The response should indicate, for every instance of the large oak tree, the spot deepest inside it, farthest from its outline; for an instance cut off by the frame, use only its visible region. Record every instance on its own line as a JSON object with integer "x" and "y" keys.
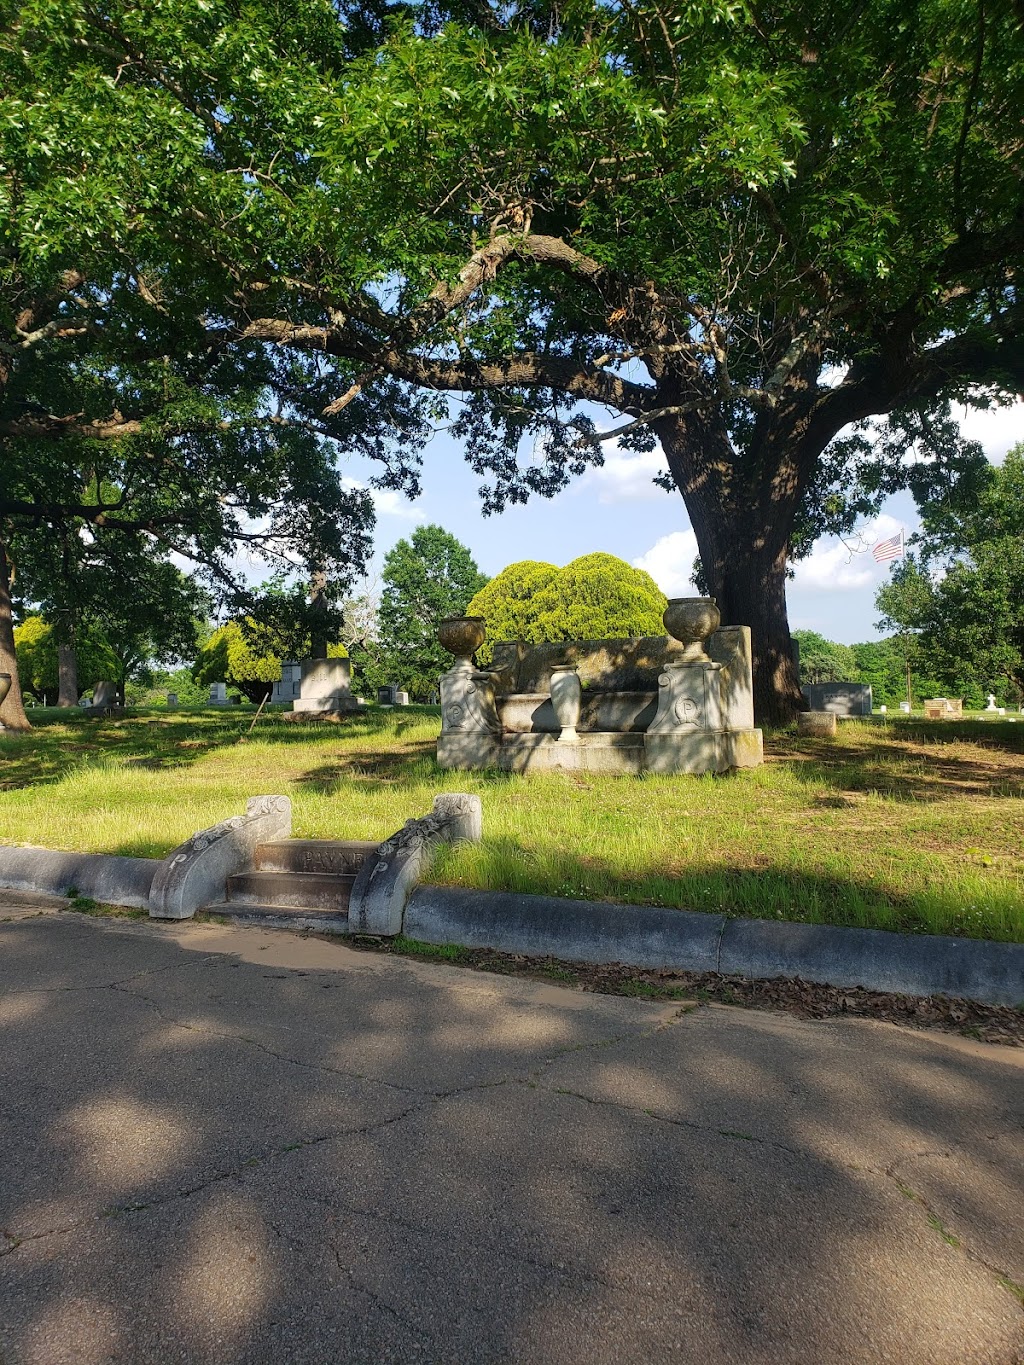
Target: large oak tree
{"x": 742, "y": 228}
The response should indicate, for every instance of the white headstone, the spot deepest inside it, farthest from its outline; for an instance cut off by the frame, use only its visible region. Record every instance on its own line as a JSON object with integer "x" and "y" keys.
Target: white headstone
{"x": 991, "y": 702}
{"x": 905, "y": 707}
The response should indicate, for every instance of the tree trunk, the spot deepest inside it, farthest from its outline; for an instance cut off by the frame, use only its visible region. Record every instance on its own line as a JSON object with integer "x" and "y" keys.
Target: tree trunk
{"x": 751, "y": 591}
{"x": 12, "y": 713}
{"x": 318, "y": 615}
{"x": 742, "y": 520}
{"x": 67, "y": 666}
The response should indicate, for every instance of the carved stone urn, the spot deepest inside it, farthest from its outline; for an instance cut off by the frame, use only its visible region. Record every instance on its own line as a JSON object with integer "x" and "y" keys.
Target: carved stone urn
{"x": 462, "y": 636}
{"x": 690, "y": 620}
{"x": 566, "y": 699}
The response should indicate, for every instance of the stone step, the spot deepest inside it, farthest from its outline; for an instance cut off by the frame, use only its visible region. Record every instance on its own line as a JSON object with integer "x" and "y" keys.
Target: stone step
{"x": 282, "y": 916}
{"x": 302, "y": 890}
{"x": 313, "y": 855}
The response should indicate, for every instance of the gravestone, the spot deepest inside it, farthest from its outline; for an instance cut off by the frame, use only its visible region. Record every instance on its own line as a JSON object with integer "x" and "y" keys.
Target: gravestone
{"x": 905, "y": 707}
{"x": 219, "y": 694}
{"x": 991, "y": 702}
{"x": 841, "y": 698}
{"x": 392, "y": 696}
{"x": 938, "y": 708}
{"x": 289, "y": 685}
{"x": 817, "y": 724}
{"x": 172, "y": 700}
{"x": 325, "y": 687}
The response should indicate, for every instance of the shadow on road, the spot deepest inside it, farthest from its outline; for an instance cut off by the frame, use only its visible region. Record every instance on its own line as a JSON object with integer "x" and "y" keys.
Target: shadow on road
{"x": 229, "y": 1146}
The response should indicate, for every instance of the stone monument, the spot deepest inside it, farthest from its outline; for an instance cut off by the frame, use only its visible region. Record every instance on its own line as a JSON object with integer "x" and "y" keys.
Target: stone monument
{"x": 991, "y": 702}
{"x": 219, "y": 694}
{"x": 325, "y": 687}
{"x": 681, "y": 703}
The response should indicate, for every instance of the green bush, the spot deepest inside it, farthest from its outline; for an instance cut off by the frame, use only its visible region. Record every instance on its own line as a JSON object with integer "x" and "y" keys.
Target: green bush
{"x": 595, "y": 597}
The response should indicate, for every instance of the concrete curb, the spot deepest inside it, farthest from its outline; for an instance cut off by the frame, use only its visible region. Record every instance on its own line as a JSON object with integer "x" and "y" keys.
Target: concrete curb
{"x": 103, "y": 877}
{"x": 645, "y": 936}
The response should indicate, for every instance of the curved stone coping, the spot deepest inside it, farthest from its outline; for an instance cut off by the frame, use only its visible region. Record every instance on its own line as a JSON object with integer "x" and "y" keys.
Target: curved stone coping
{"x": 101, "y": 876}
{"x": 649, "y": 937}
{"x": 196, "y": 873}
{"x": 386, "y": 879}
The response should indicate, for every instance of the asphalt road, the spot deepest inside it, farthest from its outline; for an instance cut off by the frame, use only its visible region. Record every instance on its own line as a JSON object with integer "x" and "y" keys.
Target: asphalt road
{"x": 227, "y": 1145}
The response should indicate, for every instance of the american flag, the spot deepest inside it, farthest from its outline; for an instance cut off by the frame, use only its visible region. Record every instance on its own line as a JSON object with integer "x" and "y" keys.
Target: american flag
{"x": 889, "y": 549}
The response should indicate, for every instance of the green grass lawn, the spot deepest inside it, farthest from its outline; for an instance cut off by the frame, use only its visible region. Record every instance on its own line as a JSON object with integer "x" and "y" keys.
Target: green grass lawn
{"x": 898, "y": 824}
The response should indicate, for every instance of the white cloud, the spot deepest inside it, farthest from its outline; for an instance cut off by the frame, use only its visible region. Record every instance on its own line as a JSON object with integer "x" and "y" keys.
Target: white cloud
{"x": 838, "y": 566}
{"x": 625, "y": 474}
{"x": 669, "y": 561}
{"x": 997, "y": 429}
{"x": 386, "y": 502}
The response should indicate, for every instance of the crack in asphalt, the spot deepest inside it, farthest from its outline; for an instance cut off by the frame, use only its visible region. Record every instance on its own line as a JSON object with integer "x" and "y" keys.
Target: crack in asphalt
{"x": 690, "y": 1124}
{"x": 387, "y": 1308}
{"x": 228, "y": 1035}
{"x": 235, "y": 1172}
{"x": 407, "y": 1225}
{"x": 956, "y": 1241}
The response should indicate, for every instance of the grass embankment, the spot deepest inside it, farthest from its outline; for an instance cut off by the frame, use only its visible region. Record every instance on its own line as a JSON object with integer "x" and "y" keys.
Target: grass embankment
{"x": 896, "y": 825}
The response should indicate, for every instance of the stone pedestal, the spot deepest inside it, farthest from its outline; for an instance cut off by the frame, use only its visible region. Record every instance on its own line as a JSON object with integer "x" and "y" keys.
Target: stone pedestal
{"x": 325, "y": 686}
{"x": 695, "y": 728}
{"x": 689, "y": 698}
{"x": 470, "y": 729}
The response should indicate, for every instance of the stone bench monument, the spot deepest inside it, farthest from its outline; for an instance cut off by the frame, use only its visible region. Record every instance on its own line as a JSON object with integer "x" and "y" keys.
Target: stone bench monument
{"x": 681, "y": 703}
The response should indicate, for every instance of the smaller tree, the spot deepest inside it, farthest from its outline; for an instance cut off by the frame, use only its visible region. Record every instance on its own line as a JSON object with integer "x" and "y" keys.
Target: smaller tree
{"x": 974, "y": 635}
{"x": 508, "y": 602}
{"x": 595, "y": 597}
{"x": 907, "y": 603}
{"x": 426, "y": 578}
{"x": 960, "y": 611}
{"x": 35, "y": 643}
{"x": 823, "y": 660}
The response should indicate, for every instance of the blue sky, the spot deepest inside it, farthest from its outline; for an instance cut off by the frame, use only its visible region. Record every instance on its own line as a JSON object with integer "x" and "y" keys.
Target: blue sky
{"x": 618, "y": 509}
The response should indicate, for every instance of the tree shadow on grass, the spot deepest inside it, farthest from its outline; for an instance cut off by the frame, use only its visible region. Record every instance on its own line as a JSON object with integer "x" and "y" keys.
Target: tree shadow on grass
{"x": 62, "y": 743}
{"x": 764, "y": 891}
{"x": 928, "y": 764}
